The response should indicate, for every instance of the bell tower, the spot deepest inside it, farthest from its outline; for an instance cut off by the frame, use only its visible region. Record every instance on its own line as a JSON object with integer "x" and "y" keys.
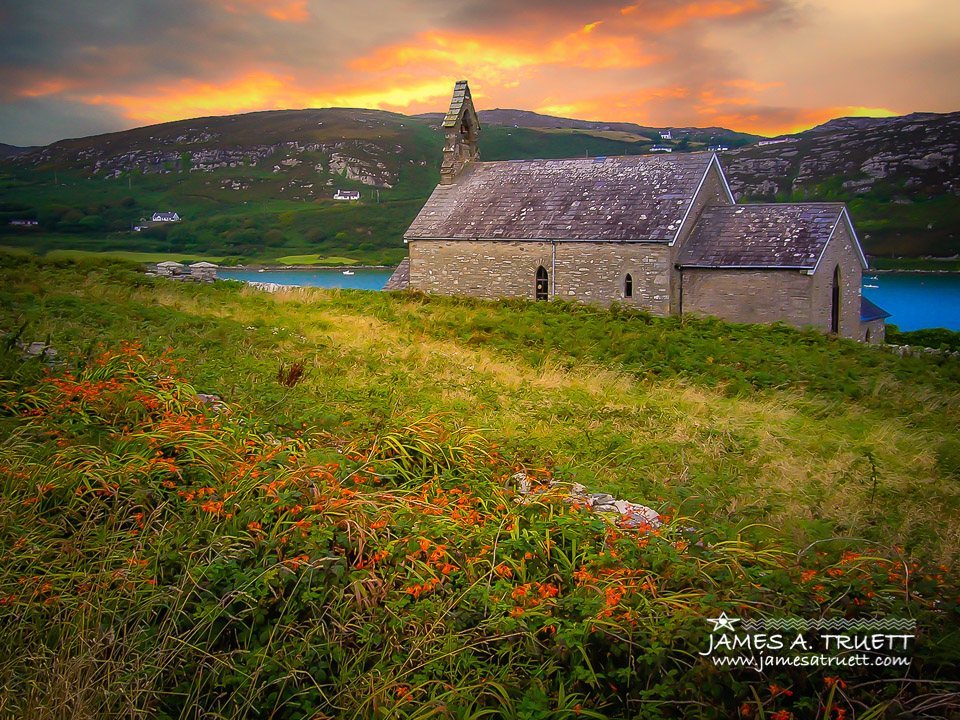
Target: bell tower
{"x": 461, "y": 128}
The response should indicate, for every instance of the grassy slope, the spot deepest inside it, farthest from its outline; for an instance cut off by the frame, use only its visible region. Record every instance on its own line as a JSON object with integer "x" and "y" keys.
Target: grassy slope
{"x": 721, "y": 426}
{"x": 760, "y": 424}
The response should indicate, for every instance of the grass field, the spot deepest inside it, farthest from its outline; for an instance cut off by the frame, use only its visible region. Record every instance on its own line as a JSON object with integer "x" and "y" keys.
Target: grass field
{"x": 350, "y": 544}
{"x": 315, "y": 259}
{"x": 138, "y": 257}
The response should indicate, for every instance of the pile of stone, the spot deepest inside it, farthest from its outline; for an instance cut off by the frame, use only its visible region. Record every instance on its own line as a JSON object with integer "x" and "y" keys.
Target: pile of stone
{"x": 918, "y": 350}
{"x": 625, "y": 514}
{"x": 37, "y": 349}
{"x": 213, "y": 402}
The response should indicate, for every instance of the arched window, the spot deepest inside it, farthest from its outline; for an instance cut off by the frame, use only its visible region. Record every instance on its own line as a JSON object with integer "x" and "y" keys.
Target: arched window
{"x": 628, "y": 286}
{"x": 835, "y": 303}
{"x": 543, "y": 292}
{"x": 866, "y": 338}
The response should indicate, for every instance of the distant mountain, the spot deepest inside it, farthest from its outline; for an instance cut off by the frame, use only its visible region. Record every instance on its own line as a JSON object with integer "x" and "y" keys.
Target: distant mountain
{"x": 528, "y": 119}
{"x": 11, "y": 150}
{"x": 262, "y": 184}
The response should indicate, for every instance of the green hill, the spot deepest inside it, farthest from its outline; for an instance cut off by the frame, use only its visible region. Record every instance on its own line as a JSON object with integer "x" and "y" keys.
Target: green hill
{"x": 343, "y": 531}
{"x": 261, "y": 186}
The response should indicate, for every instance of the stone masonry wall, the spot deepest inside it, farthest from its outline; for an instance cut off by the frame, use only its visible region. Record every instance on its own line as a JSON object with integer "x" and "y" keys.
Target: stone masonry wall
{"x": 580, "y": 271}
{"x": 596, "y": 273}
{"x": 483, "y": 269}
{"x": 873, "y": 331}
{"x": 711, "y": 193}
{"x": 749, "y": 296}
{"x": 840, "y": 252}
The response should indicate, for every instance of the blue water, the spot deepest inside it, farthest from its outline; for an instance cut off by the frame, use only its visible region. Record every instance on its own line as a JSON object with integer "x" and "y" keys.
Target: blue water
{"x": 362, "y": 279}
{"x": 916, "y": 300}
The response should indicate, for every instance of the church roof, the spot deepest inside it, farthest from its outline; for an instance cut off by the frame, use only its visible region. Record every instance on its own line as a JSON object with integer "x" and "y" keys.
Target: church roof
{"x": 775, "y": 235}
{"x": 632, "y": 198}
{"x": 400, "y": 280}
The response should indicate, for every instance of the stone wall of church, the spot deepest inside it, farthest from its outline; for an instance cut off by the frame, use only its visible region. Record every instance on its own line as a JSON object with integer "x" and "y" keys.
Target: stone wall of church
{"x": 788, "y": 296}
{"x": 873, "y": 331}
{"x": 839, "y": 253}
{"x": 748, "y": 296}
{"x": 596, "y": 273}
{"x": 712, "y": 192}
{"x": 592, "y": 272}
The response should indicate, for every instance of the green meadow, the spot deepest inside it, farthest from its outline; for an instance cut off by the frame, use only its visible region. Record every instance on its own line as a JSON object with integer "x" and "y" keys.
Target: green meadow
{"x": 341, "y": 534}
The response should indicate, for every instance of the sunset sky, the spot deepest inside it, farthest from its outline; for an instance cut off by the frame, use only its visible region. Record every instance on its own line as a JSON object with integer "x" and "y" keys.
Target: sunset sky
{"x": 81, "y": 67}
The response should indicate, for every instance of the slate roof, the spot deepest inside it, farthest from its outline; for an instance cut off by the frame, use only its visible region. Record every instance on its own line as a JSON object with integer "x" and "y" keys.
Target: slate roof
{"x": 869, "y": 311}
{"x": 776, "y": 235}
{"x": 633, "y": 198}
{"x": 460, "y": 93}
{"x": 400, "y": 280}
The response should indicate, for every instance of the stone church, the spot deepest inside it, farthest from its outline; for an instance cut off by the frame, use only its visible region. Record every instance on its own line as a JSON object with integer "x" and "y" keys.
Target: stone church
{"x": 659, "y": 233}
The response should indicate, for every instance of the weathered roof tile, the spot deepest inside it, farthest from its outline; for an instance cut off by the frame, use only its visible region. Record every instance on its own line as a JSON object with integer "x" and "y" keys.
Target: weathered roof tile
{"x": 400, "y": 280}
{"x": 777, "y": 235}
{"x": 642, "y": 198}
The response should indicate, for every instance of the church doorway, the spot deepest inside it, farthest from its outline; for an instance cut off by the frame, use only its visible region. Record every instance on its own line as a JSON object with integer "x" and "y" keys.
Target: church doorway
{"x": 835, "y": 303}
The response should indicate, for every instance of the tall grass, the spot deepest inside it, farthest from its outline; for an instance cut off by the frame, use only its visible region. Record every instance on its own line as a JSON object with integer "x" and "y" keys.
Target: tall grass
{"x": 353, "y": 546}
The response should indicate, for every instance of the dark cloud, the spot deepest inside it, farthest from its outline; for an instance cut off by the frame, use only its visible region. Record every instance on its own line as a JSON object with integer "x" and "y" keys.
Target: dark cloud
{"x": 39, "y": 121}
{"x": 83, "y": 65}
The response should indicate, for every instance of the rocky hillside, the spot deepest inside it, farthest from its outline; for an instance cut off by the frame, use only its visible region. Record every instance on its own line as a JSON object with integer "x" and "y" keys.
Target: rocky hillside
{"x": 10, "y": 150}
{"x": 369, "y": 147}
{"x": 527, "y": 119}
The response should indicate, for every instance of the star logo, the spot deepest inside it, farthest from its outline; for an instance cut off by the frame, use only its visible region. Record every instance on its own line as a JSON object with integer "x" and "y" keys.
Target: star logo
{"x": 723, "y": 622}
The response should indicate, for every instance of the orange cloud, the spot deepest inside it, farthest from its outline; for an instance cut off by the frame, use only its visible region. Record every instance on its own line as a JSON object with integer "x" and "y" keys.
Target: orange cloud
{"x": 781, "y": 121}
{"x": 752, "y": 85}
{"x": 190, "y": 98}
{"x": 284, "y": 10}
{"x": 669, "y": 18}
{"x": 615, "y": 107}
{"x": 496, "y": 59}
{"x": 43, "y": 87}
{"x": 266, "y": 91}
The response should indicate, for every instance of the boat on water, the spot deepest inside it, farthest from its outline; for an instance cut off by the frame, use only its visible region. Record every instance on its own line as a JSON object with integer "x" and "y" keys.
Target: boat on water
{"x": 871, "y": 287}
{"x": 261, "y": 270}
{"x": 348, "y": 272}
